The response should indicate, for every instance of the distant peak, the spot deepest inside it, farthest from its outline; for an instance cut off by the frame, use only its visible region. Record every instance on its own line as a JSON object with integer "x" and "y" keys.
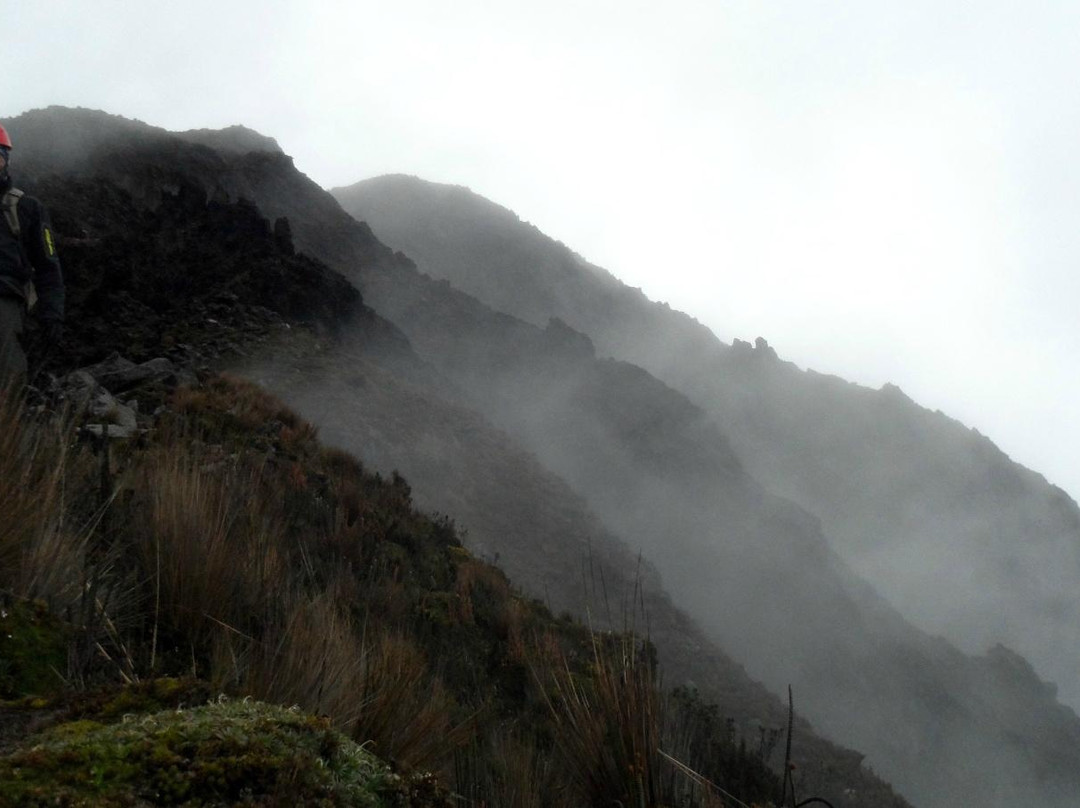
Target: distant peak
{"x": 236, "y": 139}
{"x": 412, "y": 187}
{"x": 893, "y": 391}
{"x": 75, "y": 131}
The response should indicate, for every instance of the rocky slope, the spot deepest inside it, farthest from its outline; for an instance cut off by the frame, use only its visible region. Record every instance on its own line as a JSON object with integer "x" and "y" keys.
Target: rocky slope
{"x": 505, "y": 262}
{"x": 960, "y": 539}
{"x": 756, "y": 571}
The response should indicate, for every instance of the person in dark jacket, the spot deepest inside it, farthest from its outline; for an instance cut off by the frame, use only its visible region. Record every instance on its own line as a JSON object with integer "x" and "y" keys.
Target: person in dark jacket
{"x": 29, "y": 271}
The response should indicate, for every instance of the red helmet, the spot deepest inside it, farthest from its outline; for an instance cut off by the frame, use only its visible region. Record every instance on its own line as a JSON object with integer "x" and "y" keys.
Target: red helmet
{"x": 5, "y": 141}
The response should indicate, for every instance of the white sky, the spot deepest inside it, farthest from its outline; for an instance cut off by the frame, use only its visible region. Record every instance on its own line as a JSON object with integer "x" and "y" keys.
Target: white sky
{"x": 888, "y": 191}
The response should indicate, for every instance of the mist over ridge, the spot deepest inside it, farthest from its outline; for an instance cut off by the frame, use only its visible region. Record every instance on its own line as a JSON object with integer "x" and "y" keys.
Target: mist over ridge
{"x": 660, "y": 471}
{"x": 959, "y": 538}
{"x": 500, "y": 258}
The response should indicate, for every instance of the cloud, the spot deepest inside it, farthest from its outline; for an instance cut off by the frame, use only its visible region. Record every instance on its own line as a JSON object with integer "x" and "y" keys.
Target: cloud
{"x": 885, "y": 191}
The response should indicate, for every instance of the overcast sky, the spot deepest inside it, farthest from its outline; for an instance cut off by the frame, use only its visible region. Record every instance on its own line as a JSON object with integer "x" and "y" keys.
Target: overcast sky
{"x": 888, "y": 191}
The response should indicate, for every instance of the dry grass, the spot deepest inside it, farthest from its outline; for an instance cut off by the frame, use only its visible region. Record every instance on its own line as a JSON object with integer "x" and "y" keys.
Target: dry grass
{"x": 474, "y": 578}
{"x": 374, "y": 684}
{"x": 609, "y": 722}
{"x": 315, "y": 661}
{"x": 50, "y": 537}
{"x": 212, "y": 552}
{"x": 406, "y": 712}
{"x": 251, "y": 406}
{"x": 612, "y": 723}
{"x": 43, "y": 535}
{"x": 276, "y": 608}
{"x": 510, "y": 770}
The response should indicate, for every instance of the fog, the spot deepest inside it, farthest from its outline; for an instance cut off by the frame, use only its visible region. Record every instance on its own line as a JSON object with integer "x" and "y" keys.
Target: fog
{"x": 543, "y": 447}
{"x": 754, "y": 571}
{"x": 963, "y": 542}
{"x": 885, "y": 191}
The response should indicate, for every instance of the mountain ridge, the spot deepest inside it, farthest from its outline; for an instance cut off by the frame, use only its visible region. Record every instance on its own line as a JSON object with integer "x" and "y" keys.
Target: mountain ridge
{"x": 181, "y": 182}
{"x": 811, "y": 437}
{"x": 417, "y": 313}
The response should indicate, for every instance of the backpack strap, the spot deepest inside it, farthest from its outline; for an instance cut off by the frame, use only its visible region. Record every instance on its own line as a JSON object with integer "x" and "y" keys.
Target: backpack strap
{"x": 10, "y": 205}
{"x": 11, "y": 210}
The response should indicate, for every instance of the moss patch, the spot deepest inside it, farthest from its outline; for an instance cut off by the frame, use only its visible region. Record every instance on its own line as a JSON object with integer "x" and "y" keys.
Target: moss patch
{"x": 228, "y": 753}
{"x": 33, "y": 651}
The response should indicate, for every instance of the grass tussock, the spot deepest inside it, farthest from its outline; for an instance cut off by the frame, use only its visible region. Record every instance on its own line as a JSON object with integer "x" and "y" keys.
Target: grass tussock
{"x": 511, "y": 769}
{"x": 407, "y": 713}
{"x": 621, "y": 740}
{"x": 315, "y": 660}
{"x": 375, "y": 685}
{"x": 213, "y": 553}
{"x": 609, "y": 722}
{"x": 44, "y": 482}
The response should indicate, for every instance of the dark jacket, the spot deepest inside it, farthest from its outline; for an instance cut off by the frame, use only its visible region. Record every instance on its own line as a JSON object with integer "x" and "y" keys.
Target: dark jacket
{"x": 38, "y": 247}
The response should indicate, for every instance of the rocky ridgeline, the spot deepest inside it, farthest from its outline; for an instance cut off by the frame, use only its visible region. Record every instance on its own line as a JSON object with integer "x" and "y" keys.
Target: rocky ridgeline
{"x": 97, "y": 392}
{"x": 196, "y": 281}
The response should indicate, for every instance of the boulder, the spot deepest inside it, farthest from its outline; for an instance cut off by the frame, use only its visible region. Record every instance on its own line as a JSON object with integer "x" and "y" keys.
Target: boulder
{"x": 118, "y": 373}
{"x": 104, "y": 413}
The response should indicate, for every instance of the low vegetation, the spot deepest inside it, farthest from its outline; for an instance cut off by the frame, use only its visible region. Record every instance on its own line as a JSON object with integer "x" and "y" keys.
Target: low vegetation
{"x": 161, "y": 595}
{"x": 223, "y": 752}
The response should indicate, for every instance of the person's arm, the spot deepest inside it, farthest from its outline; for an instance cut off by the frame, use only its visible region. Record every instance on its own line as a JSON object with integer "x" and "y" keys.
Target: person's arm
{"x": 40, "y": 243}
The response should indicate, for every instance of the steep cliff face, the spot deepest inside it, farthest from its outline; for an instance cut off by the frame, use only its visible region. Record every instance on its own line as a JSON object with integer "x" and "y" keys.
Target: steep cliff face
{"x": 798, "y": 432}
{"x": 755, "y": 570}
{"x": 653, "y": 467}
{"x": 961, "y": 540}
